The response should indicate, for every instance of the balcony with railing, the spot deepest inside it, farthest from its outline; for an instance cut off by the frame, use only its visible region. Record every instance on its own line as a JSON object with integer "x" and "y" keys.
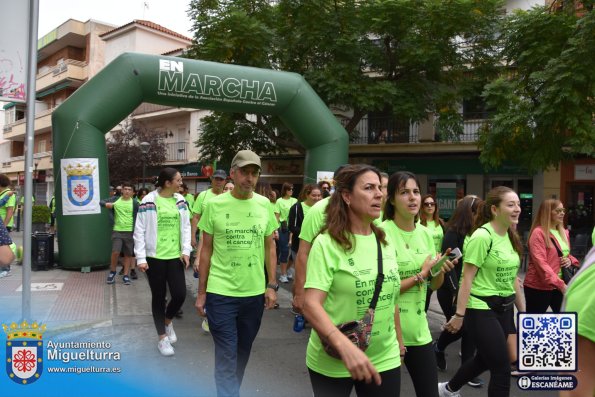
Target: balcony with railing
{"x": 176, "y": 152}
{"x": 381, "y": 130}
{"x": 69, "y": 69}
{"x": 387, "y": 130}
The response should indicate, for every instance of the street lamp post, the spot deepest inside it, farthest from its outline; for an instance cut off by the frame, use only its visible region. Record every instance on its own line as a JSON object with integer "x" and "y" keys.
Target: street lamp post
{"x": 144, "y": 148}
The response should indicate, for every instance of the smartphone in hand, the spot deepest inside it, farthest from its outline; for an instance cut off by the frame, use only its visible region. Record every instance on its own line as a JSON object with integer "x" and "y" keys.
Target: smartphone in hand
{"x": 454, "y": 254}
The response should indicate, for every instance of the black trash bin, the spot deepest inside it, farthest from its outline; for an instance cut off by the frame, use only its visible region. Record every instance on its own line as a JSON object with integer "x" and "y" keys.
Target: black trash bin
{"x": 42, "y": 251}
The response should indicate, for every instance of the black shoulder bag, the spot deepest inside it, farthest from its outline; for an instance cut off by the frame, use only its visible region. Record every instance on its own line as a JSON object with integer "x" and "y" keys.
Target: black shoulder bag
{"x": 359, "y": 331}
{"x": 567, "y": 272}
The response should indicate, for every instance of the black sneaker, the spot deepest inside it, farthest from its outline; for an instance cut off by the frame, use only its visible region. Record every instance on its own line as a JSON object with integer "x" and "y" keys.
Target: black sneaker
{"x": 440, "y": 358}
{"x": 133, "y": 274}
{"x": 111, "y": 277}
{"x": 476, "y": 382}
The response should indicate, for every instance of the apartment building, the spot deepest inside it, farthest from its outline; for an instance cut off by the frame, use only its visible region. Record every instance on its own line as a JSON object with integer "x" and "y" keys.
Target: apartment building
{"x": 68, "y": 56}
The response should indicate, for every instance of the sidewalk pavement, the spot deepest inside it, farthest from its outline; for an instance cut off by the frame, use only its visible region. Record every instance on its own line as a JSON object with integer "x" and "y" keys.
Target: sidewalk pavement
{"x": 79, "y": 306}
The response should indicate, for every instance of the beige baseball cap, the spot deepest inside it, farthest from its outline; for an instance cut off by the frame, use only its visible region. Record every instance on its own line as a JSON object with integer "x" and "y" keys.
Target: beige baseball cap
{"x": 244, "y": 158}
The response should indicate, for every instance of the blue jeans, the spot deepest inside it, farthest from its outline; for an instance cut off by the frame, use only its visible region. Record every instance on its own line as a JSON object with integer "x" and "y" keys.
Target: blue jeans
{"x": 283, "y": 246}
{"x": 234, "y": 323}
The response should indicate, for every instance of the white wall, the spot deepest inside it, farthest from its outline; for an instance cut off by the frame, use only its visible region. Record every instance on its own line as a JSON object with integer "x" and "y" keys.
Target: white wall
{"x": 522, "y": 4}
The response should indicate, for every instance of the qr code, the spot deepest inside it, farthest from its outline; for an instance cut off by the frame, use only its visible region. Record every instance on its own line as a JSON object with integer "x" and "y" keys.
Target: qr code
{"x": 547, "y": 342}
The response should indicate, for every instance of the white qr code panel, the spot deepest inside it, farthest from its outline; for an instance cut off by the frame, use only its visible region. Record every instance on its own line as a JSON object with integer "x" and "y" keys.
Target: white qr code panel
{"x": 547, "y": 342}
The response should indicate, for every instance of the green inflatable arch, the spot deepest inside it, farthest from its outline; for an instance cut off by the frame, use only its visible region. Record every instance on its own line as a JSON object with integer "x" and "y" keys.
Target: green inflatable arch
{"x": 79, "y": 126}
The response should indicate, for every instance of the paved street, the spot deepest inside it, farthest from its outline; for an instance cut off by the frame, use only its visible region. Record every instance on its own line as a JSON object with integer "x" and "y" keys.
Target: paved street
{"x": 82, "y": 307}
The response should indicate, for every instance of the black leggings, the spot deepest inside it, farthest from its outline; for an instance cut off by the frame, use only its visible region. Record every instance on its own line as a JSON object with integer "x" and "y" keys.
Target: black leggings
{"x": 445, "y": 299}
{"x": 489, "y": 331}
{"x": 421, "y": 364}
{"x": 163, "y": 273}
{"x": 324, "y": 386}
{"x": 539, "y": 300}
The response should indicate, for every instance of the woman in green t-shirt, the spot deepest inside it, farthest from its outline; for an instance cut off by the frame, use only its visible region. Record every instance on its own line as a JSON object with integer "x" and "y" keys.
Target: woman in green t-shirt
{"x": 485, "y": 297}
{"x": 430, "y": 218}
{"x": 341, "y": 275}
{"x": 162, "y": 249}
{"x": 282, "y": 206}
{"x": 416, "y": 255}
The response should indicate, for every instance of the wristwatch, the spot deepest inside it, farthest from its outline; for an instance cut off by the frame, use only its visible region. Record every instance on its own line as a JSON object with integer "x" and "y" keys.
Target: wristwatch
{"x": 274, "y": 287}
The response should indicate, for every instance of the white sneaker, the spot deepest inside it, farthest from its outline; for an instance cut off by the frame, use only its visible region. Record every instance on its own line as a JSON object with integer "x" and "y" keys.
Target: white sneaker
{"x": 171, "y": 334}
{"x": 291, "y": 273}
{"x": 4, "y": 273}
{"x": 205, "y": 325}
{"x": 283, "y": 278}
{"x": 165, "y": 347}
{"x": 444, "y": 392}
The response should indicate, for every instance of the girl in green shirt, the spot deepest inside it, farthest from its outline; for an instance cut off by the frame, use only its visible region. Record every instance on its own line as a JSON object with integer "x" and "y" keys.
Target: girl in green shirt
{"x": 485, "y": 297}
{"x": 162, "y": 248}
{"x": 416, "y": 255}
{"x": 282, "y": 206}
{"x": 341, "y": 274}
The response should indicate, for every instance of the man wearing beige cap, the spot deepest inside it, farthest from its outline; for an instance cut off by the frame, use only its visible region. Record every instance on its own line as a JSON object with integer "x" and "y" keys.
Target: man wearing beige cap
{"x": 237, "y": 239}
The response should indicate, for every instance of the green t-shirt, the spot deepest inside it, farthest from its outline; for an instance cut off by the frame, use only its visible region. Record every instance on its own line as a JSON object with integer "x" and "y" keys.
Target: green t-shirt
{"x": 123, "y": 215}
{"x": 305, "y": 208}
{"x": 437, "y": 234}
{"x": 497, "y": 270}
{"x": 561, "y": 242}
{"x": 201, "y": 201}
{"x": 581, "y": 299}
{"x": 282, "y": 207}
{"x": 10, "y": 203}
{"x": 168, "y": 228}
{"x": 348, "y": 278}
{"x": 239, "y": 228}
{"x": 314, "y": 220}
{"x": 412, "y": 249}
{"x": 190, "y": 200}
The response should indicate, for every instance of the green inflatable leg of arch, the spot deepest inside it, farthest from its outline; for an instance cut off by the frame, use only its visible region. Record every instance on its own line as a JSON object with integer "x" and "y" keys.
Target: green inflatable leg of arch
{"x": 81, "y": 122}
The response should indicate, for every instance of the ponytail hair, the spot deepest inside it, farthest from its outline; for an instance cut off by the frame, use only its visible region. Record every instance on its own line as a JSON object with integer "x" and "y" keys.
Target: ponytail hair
{"x": 484, "y": 215}
{"x": 166, "y": 174}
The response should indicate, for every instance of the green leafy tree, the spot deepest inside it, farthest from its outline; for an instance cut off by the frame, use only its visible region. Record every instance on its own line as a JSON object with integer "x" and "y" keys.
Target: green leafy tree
{"x": 124, "y": 155}
{"x": 409, "y": 57}
{"x": 543, "y": 105}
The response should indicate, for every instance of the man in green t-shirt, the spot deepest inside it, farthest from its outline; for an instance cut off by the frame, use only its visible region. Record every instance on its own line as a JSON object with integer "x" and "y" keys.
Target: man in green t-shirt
{"x": 123, "y": 210}
{"x": 187, "y": 196}
{"x": 237, "y": 242}
{"x": 198, "y": 207}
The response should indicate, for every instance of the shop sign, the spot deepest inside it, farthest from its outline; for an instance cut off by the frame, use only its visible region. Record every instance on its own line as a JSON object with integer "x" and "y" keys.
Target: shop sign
{"x": 584, "y": 172}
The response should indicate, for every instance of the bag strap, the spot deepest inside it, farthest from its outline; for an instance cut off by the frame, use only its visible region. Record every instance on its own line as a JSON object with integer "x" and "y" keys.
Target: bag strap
{"x": 560, "y": 254}
{"x": 490, "y": 247}
{"x": 379, "y": 277}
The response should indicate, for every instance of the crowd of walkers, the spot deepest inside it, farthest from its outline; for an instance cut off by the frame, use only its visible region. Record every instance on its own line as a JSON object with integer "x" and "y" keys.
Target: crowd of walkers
{"x": 365, "y": 252}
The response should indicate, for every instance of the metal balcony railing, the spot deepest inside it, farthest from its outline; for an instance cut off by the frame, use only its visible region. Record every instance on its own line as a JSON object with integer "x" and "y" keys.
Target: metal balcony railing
{"x": 388, "y": 130}
{"x": 177, "y": 151}
{"x": 383, "y": 130}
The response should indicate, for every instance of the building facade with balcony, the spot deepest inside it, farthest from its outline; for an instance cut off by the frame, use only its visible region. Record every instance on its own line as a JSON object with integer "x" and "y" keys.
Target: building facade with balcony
{"x": 66, "y": 58}
{"x": 70, "y": 55}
